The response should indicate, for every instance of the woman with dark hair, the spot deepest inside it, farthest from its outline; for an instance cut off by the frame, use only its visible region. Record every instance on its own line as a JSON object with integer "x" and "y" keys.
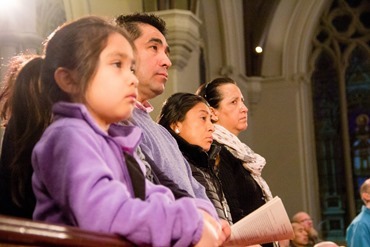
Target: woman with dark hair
{"x": 240, "y": 167}
{"x": 188, "y": 118}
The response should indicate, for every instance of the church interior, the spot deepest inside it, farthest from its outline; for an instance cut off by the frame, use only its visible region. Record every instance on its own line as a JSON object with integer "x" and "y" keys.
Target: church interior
{"x": 303, "y": 67}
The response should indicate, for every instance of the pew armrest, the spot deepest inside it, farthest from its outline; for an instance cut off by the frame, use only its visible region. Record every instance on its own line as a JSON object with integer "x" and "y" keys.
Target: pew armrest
{"x": 18, "y": 231}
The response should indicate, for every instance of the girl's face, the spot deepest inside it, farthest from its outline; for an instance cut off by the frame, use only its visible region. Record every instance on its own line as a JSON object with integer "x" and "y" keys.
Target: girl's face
{"x": 197, "y": 127}
{"x": 232, "y": 113}
{"x": 112, "y": 91}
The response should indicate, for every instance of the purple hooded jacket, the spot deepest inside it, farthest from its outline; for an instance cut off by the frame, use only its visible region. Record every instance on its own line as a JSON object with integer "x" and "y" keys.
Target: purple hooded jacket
{"x": 81, "y": 179}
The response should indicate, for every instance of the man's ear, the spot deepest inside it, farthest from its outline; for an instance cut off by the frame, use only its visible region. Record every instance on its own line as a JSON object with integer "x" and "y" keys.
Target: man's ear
{"x": 65, "y": 80}
{"x": 365, "y": 196}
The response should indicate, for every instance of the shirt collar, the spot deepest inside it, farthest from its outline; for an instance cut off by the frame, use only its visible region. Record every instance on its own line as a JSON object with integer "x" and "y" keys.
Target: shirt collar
{"x": 145, "y": 106}
{"x": 128, "y": 137}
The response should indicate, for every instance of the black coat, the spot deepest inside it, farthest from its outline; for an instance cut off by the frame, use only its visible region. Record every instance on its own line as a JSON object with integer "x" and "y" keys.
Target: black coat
{"x": 205, "y": 172}
{"x": 242, "y": 192}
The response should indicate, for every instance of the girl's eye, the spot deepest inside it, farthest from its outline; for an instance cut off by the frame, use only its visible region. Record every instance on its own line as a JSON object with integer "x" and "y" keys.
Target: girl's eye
{"x": 118, "y": 64}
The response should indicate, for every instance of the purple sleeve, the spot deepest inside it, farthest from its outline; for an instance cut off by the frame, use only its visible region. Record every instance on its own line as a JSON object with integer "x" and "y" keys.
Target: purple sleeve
{"x": 83, "y": 182}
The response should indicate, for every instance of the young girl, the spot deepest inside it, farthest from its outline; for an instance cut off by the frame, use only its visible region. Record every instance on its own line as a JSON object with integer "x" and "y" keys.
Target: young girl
{"x": 86, "y": 172}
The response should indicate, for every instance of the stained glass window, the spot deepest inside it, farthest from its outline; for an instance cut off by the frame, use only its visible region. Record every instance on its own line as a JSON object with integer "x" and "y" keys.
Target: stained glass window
{"x": 358, "y": 98}
{"x": 341, "y": 110}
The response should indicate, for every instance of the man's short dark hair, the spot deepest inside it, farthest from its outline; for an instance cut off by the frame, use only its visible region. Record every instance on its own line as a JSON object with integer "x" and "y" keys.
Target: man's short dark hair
{"x": 131, "y": 21}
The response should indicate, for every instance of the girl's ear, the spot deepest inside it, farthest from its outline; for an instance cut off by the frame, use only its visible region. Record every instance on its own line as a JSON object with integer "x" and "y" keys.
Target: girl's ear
{"x": 65, "y": 80}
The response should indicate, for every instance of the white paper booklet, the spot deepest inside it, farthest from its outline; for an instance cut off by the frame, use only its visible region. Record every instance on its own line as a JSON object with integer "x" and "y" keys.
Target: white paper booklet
{"x": 266, "y": 224}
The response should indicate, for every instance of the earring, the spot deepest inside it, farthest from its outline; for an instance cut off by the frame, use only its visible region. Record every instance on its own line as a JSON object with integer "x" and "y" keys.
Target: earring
{"x": 177, "y": 131}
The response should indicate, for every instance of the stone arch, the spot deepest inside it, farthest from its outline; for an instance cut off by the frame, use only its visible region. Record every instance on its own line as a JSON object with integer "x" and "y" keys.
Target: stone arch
{"x": 286, "y": 78}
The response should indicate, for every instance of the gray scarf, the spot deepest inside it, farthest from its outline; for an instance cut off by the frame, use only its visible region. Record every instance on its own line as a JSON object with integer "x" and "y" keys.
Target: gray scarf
{"x": 252, "y": 161}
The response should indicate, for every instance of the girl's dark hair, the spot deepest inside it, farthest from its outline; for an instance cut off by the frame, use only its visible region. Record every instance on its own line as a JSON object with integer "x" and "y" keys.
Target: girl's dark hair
{"x": 27, "y": 121}
{"x": 75, "y": 46}
{"x": 14, "y": 66}
{"x": 176, "y": 107}
{"x": 209, "y": 91}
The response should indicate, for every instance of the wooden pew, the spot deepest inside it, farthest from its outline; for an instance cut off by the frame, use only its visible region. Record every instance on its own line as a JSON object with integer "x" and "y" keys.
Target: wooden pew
{"x": 24, "y": 232}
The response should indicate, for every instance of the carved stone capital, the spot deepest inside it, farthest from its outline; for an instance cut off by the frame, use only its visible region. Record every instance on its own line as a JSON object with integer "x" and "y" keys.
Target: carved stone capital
{"x": 254, "y": 89}
{"x": 183, "y": 34}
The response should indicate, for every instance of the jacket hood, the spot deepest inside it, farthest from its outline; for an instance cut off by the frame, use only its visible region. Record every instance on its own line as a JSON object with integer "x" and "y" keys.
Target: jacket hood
{"x": 195, "y": 154}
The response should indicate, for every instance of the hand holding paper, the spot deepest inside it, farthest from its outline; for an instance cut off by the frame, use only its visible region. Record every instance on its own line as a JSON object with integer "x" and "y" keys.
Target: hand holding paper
{"x": 266, "y": 224}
